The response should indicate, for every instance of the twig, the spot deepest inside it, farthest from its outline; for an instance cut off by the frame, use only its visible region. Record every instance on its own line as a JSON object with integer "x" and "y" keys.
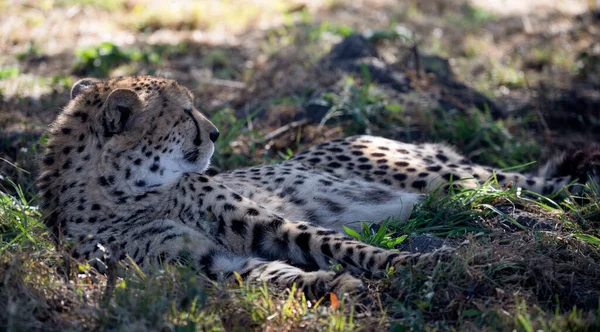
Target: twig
{"x": 226, "y": 83}
{"x": 111, "y": 274}
{"x": 282, "y": 130}
{"x": 415, "y": 50}
{"x": 538, "y": 109}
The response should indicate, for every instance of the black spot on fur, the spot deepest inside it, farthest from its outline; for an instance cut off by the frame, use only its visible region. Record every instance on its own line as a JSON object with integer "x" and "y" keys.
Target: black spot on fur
{"x": 435, "y": 168}
{"x": 67, "y": 164}
{"x": 252, "y": 212}
{"x": 236, "y": 197}
{"x": 326, "y": 250}
{"x": 328, "y": 232}
{"x": 102, "y": 181}
{"x": 400, "y": 176}
{"x": 239, "y": 227}
{"x": 451, "y": 176}
{"x": 441, "y": 157}
{"x": 303, "y": 241}
{"x": 48, "y": 160}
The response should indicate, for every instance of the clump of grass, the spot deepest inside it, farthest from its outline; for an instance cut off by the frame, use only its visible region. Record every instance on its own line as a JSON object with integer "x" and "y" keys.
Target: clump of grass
{"x": 20, "y": 225}
{"x": 316, "y": 32}
{"x": 9, "y": 72}
{"x": 470, "y": 18}
{"x": 218, "y": 59}
{"x": 31, "y": 50}
{"x": 99, "y": 60}
{"x": 381, "y": 238}
{"x": 237, "y": 136}
{"x": 584, "y": 209}
{"x": 485, "y": 140}
{"x": 588, "y": 66}
{"x": 363, "y": 108}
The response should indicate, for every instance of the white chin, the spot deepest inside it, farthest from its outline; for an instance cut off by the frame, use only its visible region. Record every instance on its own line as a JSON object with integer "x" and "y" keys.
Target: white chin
{"x": 198, "y": 167}
{"x": 203, "y": 165}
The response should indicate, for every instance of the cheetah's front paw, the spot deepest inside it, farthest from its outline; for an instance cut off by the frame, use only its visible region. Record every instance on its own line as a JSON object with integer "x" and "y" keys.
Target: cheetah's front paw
{"x": 319, "y": 283}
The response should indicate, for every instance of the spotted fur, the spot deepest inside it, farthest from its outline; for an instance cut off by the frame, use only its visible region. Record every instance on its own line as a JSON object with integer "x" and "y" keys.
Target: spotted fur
{"x": 123, "y": 172}
{"x": 420, "y": 168}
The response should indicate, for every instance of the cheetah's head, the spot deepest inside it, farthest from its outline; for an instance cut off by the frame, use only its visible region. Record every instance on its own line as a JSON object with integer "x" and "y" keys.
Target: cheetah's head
{"x": 131, "y": 134}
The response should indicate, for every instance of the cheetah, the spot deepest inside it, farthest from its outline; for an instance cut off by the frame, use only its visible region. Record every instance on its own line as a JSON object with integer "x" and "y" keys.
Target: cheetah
{"x": 124, "y": 171}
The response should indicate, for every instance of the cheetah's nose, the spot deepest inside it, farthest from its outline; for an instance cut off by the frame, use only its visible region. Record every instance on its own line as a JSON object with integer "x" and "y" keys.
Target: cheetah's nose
{"x": 214, "y": 136}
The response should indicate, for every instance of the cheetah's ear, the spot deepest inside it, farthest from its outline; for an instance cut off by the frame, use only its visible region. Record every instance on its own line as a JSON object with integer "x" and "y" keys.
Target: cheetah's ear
{"x": 81, "y": 86}
{"x": 118, "y": 109}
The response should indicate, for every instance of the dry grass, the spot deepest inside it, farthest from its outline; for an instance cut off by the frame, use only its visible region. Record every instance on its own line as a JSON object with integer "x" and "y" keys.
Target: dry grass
{"x": 257, "y": 66}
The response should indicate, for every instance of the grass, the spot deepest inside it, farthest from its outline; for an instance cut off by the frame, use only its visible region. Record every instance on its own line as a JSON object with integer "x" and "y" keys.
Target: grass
{"x": 100, "y": 60}
{"x": 8, "y": 72}
{"x": 508, "y": 277}
{"x": 182, "y": 15}
{"x": 238, "y": 137}
{"x": 362, "y": 108}
{"x": 488, "y": 141}
{"x": 470, "y": 18}
{"x": 478, "y": 288}
{"x": 20, "y": 224}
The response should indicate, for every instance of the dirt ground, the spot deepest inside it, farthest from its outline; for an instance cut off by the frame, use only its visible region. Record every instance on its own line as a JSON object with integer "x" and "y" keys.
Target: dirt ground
{"x": 507, "y": 82}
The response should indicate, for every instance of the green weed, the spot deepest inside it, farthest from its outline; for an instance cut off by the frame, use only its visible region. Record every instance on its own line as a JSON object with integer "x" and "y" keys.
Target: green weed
{"x": 219, "y": 61}
{"x": 227, "y": 147}
{"x": 362, "y": 107}
{"x": 101, "y": 59}
{"x": 31, "y": 51}
{"x": 9, "y": 72}
{"x": 485, "y": 140}
{"x": 20, "y": 221}
{"x": 588, "y": 66}
{"x": 381, "y": 238}
{"x": 316, "y": 32}
{"x": 470, "y": 18}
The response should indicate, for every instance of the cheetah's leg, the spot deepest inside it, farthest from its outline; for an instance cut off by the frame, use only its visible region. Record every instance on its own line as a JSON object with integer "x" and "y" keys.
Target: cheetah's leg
{"x": 249, "y": 229}
{"x": 167, "y": 241}
{"x": 314, "y": 284}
